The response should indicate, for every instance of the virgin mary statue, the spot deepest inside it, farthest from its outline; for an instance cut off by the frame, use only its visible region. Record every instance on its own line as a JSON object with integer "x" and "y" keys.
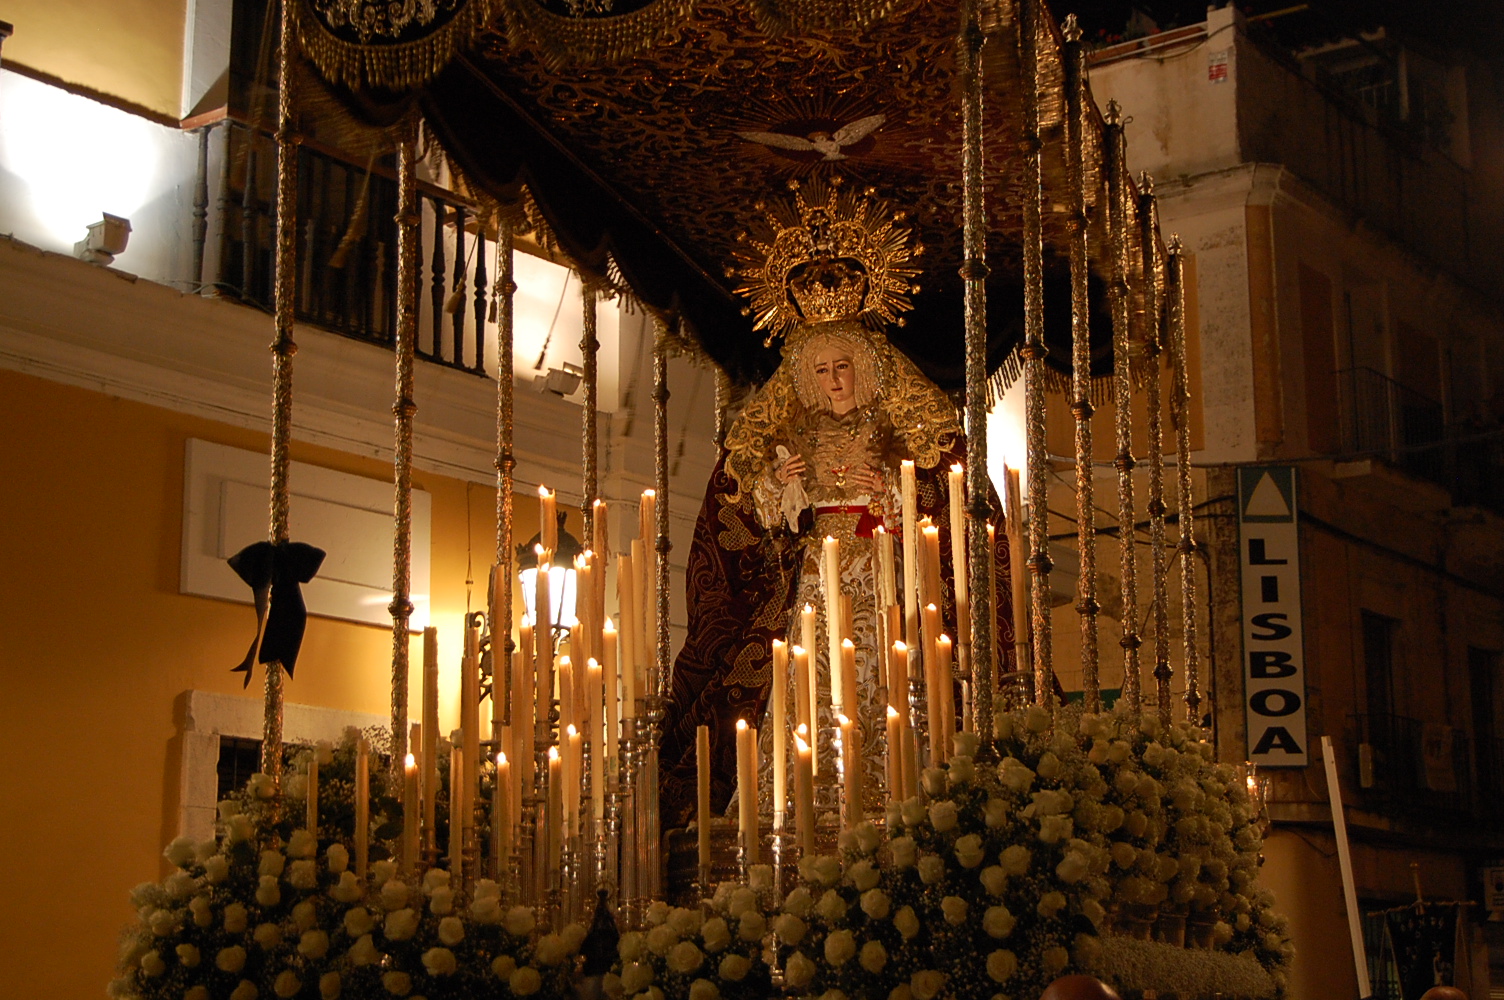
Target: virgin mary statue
{"x": 814, "y": 453}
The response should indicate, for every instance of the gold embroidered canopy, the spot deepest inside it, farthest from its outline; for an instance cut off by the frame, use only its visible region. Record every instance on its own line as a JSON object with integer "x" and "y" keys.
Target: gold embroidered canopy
{"x": 647, "y": 133}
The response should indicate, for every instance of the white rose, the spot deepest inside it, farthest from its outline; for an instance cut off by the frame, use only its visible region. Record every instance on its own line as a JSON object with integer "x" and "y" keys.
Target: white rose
{"x": 551, "y": 949}
{"x": 235, "y": 919}
{"x": 434, "y": 878}
{"x": 383, "y": 871}
{"x": 906, "y": 922}
{"x": 400, "y": 924}
{"x": 715, "y": 933}
{"x": 329, "y": 986}
{"x": 994, "y": 879}
{"x": 287, "y": 984}
{"x": 703, "y": 989}
{"x": 995, "y": 813}
{"x": 188, "y": 956}
{"x": 1053, "y": 829}
{"x": 347, "y": 889}
{"x": 926, "y": 984}
{"x": 238, "y": 829}
{"x": 363, "y": 952}
{"x": 180, "y": 851}
{"x": 244, "y": 990}
{"x": 931, "y": 869}
{"x": 152, "y": 964}
{"x": 798, "y": 902}
{"x": 313, "y": 944}
{"x": 1037, "y": 719}
{"x": 905, "y": 851}
{"x": 863, "y": 875}
{"x": 913, "y": 811}
{"x": 1049, "y": 765}
{"x": 966, "y": 744}
{"x": 217, "y": 869}
{"x": 1014, "y": 775}
{"x": 961, "y": 770}
{"x": 272, "y": 863}
{"x": 840, "y": 946}
{"x": 267, "y": 891}
{"x": 231, "y": 959}
{"x": 933, "y": 781}
{"x": 302, "y": 875}
{"x": 828, "y": 869}
{"x": 1001, "y": 965}
{"x": 1055, "y": 959}
{"x": 398, "y": 984}
{"x": 439, "y": 962}
{"x": 525, "y": 981}
{"x": 358, "y": 921}
{"x": 760, "y": 877}
{"x": 661, "y": 939}
{"x": 636, "y": 977}
{"x": 752, "y": 926}
{"x": 831, "y": 906}
{"x": 943, "y": 815}
{"x": 954, "y": 909}
{"x": 395, "y": 894}
{"x": 658, "y": 911}
{"x": 876, "y": 904}
{"x": 441, "y": 901}
{"x": 799, "y": 970}
{"x": 901, "y": 992}
{"x": 268, "y": 935}
{"x": 302, "y": 844}
{"x": 164, "y": 922}
{"x": 790, "y": 929}
{"x": 998, "y": 922}
{"x": 734, "y": 967}
{"x": 1072, "y": 868}
{"x": 451, "y": 931}
{"x": 685, "y": 921}
{"x": 969, "y": 850}
{"x": 519, "y": 921}
{"x": 685, "y": 958}
{"x": 486, "y": 910}
{"x": 1050, "y": 904}
{"x": 873, "y": 957}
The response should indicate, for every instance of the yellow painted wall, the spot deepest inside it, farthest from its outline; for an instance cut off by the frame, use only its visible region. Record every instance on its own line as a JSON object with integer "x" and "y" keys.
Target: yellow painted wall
{"x": 99, "y": 646}
{"x": 132, "y": 49}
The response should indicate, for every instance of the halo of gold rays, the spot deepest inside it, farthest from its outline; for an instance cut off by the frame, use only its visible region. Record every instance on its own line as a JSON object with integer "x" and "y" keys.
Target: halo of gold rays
{"x": 830, "y": 221}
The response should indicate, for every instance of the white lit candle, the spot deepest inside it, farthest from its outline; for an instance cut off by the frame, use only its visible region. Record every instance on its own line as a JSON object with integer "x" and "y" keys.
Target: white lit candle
{"x": 501, "y": 820}
{"x": 910, "y": 551}
{"x": 626, "y": 592}
{"x": 832, "y": 578}
{"x": 430, "y": 736}
{"x": 362, "y": 806}
{"x": 895, "y": 757}
{"x": 456, "y": 815}
{"x": 804, "y": 793}
{"x": 553, "y": 833}
{"x": 409, "y": 815}
{"x": 612, "y": 694}
{"x": 548, "y": 521}
{"x": 958, "y": 555}
{"x": 945, "y": 684}
{"x": 702, "y": 796}
{"x": 851, "y": 762}
{"x": 780, "y": 731}
{"x": 746, "y": 787}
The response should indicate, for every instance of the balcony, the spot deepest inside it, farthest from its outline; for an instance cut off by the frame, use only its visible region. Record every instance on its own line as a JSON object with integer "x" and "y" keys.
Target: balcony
{"x": 346, "y": 245}
{"x": 1420, "y": 770}
{"x": 1385, "y": 420}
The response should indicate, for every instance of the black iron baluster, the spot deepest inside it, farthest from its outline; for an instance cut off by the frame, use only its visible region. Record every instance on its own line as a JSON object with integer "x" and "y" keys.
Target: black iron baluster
{"x": 248, "y": 242}
{"x": 222, "y": 265}
{"x": 480, "y": 301}
{"x": 440, "y": 269}
{"x": 457, "y": 318}
{"x": 201, "y": 206}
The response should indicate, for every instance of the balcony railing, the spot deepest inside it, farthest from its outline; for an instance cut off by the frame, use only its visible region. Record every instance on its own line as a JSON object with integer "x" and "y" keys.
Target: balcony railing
{"x": 1409, "y": 767}
{"x": 346, "y": 246}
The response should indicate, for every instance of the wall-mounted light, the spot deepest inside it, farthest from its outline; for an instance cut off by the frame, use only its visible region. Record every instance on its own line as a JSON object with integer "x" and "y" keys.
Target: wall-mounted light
{"x": 107, "y": 239}
{"x": 560, "y": 381}
{"x": 561, "y": 576}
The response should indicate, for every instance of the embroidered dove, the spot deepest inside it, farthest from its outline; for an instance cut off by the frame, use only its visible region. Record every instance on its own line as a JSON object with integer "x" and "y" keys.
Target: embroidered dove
{"x": 829, "y": 144}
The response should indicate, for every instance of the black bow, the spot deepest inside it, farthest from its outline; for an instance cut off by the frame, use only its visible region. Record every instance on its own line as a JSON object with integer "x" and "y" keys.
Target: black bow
{"x": 276, "y": 568}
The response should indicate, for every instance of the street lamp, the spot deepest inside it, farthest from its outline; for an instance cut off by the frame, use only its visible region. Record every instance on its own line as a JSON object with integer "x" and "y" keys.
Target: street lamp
{"x": 561, "y": 577}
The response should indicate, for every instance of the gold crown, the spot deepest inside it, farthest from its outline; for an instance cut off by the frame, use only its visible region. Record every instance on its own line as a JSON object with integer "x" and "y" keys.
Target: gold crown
{"x": 827, "y": 253}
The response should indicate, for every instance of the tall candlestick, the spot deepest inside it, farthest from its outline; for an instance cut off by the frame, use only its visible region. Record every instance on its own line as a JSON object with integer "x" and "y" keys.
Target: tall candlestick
{"x": 553, "y": 831}
{"x": 643, "y": 591}
{"x": 801, "y": 687}
{"x": 958, "y": 556}
{"x": 362, "y": 807}
{"x": 780, "y": 731}
{"x": 470, "y": 718}
{"x": 596, "y": 723}
{"x": 851, "y": 759}
{"x": 887, "y": 585}
{"x": 548, "y": 520}
{"x": 501, "y": 816}
{"x": 804, "y": 793}
{"x": 807, "y": 634}
{"x": 626, "y": 592}
{"x": 612, "y": 694}
{"x": 702, "y": 800}
{"x": 648, "y": 531}
{"x": 409, "y": 815}
{"x": 430, "y": 736}
{"x": 931, "y": 632}
{"x": 746, "y": 788}
{"x": 895, "y": 757}
{"x": 831, "y": 574}
{"x": 571, "y": 787}
{"x": 456, "y": 815}
{"x": 930, "y": 593}
{"x": 945, "y": 682}
{"x": 598, "y": 526}
{"x": 523, "y": 720}
{"x": 848, "y": 677}
{"x": 910, "y": 552}
{"x": 312, "y": 818}
{"x": 543, "y": 636}
{"x": 567, "y": 712}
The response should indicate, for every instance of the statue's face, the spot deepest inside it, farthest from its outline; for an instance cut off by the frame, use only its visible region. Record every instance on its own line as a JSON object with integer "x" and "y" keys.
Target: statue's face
{"x": 836, "y": 376}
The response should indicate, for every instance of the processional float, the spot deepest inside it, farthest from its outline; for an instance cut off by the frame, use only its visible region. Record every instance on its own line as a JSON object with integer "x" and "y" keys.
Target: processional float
{"x": 555, "y": 804}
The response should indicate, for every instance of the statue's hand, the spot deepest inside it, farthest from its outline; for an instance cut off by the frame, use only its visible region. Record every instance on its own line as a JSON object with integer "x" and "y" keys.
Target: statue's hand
{"x": 790, "y": 469}
{"x": 870, "y": 480}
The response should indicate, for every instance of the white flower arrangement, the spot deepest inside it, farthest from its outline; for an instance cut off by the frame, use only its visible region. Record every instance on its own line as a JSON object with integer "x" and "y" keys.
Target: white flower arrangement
{"x": 267, "y": 910}
{"x": 690, "y": 954}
